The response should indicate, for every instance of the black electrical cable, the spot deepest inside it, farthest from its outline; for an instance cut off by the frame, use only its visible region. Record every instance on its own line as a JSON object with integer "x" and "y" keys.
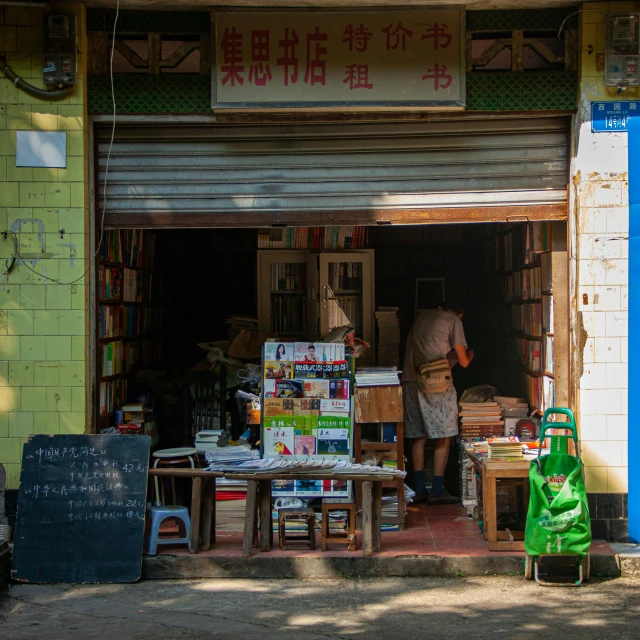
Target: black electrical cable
{"x": 43, "y": 94}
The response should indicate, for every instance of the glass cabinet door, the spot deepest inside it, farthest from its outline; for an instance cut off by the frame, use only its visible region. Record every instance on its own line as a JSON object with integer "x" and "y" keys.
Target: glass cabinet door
{"x": 346, "y": 293}
{"x": 287, "y": 285}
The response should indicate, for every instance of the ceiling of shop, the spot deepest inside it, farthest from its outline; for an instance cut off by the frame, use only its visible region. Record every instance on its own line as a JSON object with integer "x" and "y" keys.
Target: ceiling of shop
{"x": 187, "y": 4}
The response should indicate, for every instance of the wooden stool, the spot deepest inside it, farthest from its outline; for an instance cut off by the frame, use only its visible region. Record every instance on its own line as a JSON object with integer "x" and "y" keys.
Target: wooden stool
{"x": 349, "y": 536}
{"x": 187, "y": 456}
{"x": 293, "y": 514}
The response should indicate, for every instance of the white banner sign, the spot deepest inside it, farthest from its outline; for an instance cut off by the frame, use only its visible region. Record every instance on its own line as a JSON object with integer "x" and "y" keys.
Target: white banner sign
{"x": 316, "y": 59}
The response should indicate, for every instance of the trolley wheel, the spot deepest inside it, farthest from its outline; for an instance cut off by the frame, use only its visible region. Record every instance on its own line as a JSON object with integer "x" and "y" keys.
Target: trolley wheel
{"x": 528, "y": 567}
{"x": 586, "y": 567}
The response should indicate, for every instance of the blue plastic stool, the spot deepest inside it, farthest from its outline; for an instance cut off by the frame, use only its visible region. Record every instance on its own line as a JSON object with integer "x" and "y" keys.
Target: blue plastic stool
{"x": 158, "y": 516}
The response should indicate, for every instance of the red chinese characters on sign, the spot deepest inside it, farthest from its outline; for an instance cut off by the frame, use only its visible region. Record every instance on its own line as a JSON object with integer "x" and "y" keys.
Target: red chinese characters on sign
{"x": 441, "y": 39}
{"x": 396, "y": 37}
{"x": 260, "y": 70}
{"x": 316, "y": 69}
{"x": 441, "y": 79}
{"x": 232, "y": 65}
{"x": 357, "y": 75}
{"x": 289, "y": 59}
{"x": 357, "y": 36}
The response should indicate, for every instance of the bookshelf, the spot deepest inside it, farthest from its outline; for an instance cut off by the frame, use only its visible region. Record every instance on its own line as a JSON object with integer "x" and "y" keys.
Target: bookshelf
{"x": 127, "y": 317}
{"x": 528, "y": 269}
{"x": 303, "y": 294}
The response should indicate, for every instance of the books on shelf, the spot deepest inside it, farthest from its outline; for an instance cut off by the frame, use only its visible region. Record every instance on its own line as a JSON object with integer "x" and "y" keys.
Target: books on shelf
{"x": 547, "y": 313}
{"x": 109, "y": 321}
{"x": 288, "y": 276}
{"x": 109, "y": 283}
{"x": 126, "y": 246}
{"x": 549, "y": 363}
{"x": 531, "y": 354}
{"x": 342, "y": 237}
{"x": 111, "y": 358}
{"x": 345, "y": 276}
{"x": 132, "y": 285}
{"x": 111, "y": 393}
{"x": 528, "y": 318}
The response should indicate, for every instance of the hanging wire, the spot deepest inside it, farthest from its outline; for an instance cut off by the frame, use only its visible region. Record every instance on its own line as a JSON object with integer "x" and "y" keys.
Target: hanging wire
{"x": 17, "y": 257}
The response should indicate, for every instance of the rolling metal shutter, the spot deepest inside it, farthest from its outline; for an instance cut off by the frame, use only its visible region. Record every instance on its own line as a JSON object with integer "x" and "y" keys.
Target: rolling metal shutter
{"x": 349, "y": 173}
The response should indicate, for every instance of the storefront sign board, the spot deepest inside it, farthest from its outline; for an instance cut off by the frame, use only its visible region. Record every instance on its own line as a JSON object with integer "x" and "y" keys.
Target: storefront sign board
{"x": 328, "y": 59}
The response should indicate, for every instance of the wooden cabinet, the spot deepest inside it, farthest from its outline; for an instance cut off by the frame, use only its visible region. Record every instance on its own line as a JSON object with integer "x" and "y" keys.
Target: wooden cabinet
{"x": 304, "y": 295}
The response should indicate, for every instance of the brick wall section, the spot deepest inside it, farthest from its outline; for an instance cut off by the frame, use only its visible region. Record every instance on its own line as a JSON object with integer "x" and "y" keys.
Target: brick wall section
{"x": 602, "y": 211}
{"x": 43, "y": 326}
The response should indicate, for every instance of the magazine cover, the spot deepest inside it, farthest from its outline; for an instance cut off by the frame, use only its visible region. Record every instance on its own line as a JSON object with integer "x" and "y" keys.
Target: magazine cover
{"x": 309, "y": 487}
{"x": 305, "y": 445}
{"x": 288, "y": 389}
{"x": 316, "y": 389}
{"x": 308, "y": 352}
{"x": 279, "y": 351}
{"x": 333, "y": 352}
{"x": 278, "y": 441}
{"x": 333, "y": 442}
{"x": 269, "y": 388}
{"x": 274, "y": 370}
{"x": 335, "y": 405}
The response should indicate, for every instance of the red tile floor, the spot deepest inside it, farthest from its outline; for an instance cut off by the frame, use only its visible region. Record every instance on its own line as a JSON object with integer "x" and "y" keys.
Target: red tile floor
{"x": 443, "y": 530}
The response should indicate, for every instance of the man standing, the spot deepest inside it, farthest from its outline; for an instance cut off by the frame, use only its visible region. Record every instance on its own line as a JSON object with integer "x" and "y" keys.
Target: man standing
{"x": 436, "y": 334}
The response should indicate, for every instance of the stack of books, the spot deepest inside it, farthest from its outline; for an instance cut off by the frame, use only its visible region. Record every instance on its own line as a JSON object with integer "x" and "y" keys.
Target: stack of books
{"x": 377, "y": 377}
{"x": 237, "y": 323}
{"x": 480, "y": 420}
{"x": 388, "y": 336}
{"x": 505, "y": 448}
{"x": 207, "y": 439}
{"x": 513, "y": 410}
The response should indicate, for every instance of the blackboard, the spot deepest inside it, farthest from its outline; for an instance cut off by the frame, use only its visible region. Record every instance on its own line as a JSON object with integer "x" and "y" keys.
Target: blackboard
{"x": 81, "y": 509}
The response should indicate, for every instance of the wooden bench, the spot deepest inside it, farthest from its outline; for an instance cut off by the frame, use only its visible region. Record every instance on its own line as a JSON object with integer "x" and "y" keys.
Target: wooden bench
{"x": 203, "y": 504}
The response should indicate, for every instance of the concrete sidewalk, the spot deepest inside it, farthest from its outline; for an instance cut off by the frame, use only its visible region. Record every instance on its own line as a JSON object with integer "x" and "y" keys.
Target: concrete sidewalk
{"x": 401, "y": 609}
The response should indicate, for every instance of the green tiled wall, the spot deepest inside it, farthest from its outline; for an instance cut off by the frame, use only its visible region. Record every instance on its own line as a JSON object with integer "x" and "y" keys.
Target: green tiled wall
{"x": 191, "y": 93}
{"x": 42, "y": 324}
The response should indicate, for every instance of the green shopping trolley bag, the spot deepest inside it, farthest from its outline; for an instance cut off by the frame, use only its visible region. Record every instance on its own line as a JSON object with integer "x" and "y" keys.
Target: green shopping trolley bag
{"x": 558, "y": 520}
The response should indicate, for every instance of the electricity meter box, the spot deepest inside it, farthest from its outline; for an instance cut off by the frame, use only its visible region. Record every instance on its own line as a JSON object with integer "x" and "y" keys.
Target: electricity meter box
{"x": 623, "y": 49}
{"x": 59, "y": 55}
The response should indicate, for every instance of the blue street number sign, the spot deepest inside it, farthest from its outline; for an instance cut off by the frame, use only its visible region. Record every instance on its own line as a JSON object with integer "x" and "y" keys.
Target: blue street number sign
{"x": 613, "y": 116}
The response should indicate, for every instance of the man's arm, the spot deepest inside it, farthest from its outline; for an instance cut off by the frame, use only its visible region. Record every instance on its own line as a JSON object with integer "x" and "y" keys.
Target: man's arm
{"x": 465, "y": 356}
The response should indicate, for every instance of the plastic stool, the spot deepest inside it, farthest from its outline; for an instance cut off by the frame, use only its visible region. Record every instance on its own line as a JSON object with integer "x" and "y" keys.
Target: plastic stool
{"x": 172, "y": 458}
{"x": 158, "y": 516}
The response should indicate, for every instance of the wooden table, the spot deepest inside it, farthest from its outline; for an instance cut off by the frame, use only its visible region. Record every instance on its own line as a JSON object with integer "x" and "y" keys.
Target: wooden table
{"x": 259, "y": 506}
{"x": 203, "y": 504}
{"x": 376, "y": 405}
{"x": 492, "y": 471}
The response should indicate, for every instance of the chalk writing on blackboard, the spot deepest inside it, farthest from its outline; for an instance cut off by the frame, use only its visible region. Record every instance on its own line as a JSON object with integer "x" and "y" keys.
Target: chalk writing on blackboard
{"x": 90, "y": 492}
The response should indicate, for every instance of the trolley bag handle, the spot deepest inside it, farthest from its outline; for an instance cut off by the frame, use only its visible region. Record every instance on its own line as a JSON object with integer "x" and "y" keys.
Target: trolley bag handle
{"x": 571, "y": 425}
